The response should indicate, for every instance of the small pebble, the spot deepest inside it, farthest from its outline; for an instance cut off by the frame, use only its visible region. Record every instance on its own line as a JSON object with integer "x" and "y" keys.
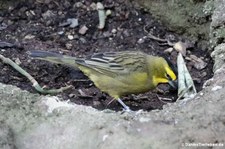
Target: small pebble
{"x": 126, "y": 33}
{"x": 73, "y": 22}
{"x": 83, "y": 40}
{"x": 144, "y": 119}
{"x": 83, "y": 30}
{"x": 69, "y": 46}
{"x": 60, "y": 32}
{"x": 70, "y": 37}
{"x": 96, "y": 103}
{"x": 76, "y": 36}
{"x": 78, "y": 4}
{"x": 17, "y": 61}
{"x": 107, "y": 34}
{"x": 168, "y": 50}
{"x": 204, "y": 74}
{"x": 10, "y": 22}
{"x": 180, "y": 47}
{"x": 72, "y": 95}
{"x": 93, "y": 6}
{"x": 114, "y": 31}
{"x": 48, "y": 14}
{"x": 140, "y": 41}
{"x": 29, "y": 36}
{"x": 108, "y": 12}
{"x": 105, "y": 137}
{"x": 216, "y": 88}
{"x": 60, "y": 13}
{"x": 10, "y": 8}
{"x": 3, "y": 26}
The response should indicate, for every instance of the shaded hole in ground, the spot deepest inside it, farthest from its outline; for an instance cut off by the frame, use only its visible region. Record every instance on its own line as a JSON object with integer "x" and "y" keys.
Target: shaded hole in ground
{"x": 129, "y": 30}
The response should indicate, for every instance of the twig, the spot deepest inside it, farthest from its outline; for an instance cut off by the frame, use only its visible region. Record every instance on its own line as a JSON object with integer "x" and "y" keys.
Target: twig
{"x": 32, "y": 80}
{"x": 164, "y": 100}
{"x": 160, "y": 40}
{"x": 156, "y": 38}
{"x": 80, "y": 80}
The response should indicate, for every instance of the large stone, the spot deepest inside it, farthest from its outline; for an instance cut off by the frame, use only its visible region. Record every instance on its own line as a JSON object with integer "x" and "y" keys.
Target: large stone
{"x": 6, "y": 137}
{"x": 37, "y": 122}
{"x": 190, "y": 18}
{"x": 217, "y": 34}
{"x": 217, "y": 30}
{"x": 219, "y": 56}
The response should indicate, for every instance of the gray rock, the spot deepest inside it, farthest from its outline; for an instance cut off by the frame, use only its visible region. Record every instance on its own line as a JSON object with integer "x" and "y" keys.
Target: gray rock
{"x": 218, "y": 17}
{"x": 6, "y": 137}
{"x": 45, "y": 122}
{"x": 217, "y": 30}
{"x": 219, "y": 56}
{"x": 217, "y": 34}
{"x": 189, "y": 18}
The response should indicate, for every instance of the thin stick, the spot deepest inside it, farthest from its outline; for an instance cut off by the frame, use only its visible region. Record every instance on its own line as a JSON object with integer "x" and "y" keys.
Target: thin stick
{"x": 160, "y": 40}
{"x": 32, "y": 80}
{"x": 167, "y": 42}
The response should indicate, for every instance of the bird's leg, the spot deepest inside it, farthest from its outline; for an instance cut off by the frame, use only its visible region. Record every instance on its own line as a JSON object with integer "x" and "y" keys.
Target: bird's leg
{"x": 126, "y": 108}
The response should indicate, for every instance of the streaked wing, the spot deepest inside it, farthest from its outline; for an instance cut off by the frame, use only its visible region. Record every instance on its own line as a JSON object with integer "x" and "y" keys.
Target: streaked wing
{"x": 115, "y": 63}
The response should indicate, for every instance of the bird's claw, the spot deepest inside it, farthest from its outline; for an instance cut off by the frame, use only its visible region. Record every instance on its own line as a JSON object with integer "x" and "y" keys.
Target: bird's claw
{"x": 127, "y": 109}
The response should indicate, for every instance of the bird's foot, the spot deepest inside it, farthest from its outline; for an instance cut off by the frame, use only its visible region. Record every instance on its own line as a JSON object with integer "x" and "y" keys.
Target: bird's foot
{"x": 125, "y": 107}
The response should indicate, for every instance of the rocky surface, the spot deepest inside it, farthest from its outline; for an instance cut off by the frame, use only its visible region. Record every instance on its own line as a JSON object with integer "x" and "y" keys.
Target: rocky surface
{"x": 33, "y": 121}
{"x": 190, "y": 17}
{"x": 217, "y": 34}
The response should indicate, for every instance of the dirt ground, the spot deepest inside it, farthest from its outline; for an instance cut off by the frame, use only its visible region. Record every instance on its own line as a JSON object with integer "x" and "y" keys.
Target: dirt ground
{"x": 41, "y": 25}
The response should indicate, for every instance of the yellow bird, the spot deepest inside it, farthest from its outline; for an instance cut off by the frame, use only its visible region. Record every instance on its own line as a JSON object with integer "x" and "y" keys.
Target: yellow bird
{"x": 119, "y": 73}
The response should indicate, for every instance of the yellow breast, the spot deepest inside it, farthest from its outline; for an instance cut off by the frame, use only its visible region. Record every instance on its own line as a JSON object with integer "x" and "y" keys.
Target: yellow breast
{"x": 120, "y": 85}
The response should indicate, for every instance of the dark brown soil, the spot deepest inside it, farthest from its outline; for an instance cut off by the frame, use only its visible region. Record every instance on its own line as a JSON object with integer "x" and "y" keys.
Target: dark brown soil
{"x": 35, "y": 25}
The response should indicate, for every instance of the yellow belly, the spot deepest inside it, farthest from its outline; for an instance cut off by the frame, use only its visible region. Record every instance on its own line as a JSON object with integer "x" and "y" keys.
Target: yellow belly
{"x": 122, "y": 84}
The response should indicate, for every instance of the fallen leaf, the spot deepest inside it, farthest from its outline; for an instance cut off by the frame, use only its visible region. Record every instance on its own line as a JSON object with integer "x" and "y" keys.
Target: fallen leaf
{"x": 186, "y": 87}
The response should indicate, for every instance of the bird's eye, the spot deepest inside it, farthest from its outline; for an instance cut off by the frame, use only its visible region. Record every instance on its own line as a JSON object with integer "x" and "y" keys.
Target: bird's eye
{"x": 168, "y": 76}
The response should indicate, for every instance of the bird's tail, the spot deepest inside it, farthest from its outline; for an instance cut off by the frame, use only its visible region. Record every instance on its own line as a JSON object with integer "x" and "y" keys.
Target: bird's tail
{"x": 54, "y": 58}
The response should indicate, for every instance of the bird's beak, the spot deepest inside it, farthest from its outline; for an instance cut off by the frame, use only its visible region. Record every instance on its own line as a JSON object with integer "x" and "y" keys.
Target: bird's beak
{"x": 173, "y": 84}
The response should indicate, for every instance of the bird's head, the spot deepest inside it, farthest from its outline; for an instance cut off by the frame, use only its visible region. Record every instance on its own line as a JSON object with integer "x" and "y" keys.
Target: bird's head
{"x": 164, "y": 71}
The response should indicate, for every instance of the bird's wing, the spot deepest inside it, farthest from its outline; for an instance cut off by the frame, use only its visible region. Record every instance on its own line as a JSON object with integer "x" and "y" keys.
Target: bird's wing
{"x": 115, "y": 63}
